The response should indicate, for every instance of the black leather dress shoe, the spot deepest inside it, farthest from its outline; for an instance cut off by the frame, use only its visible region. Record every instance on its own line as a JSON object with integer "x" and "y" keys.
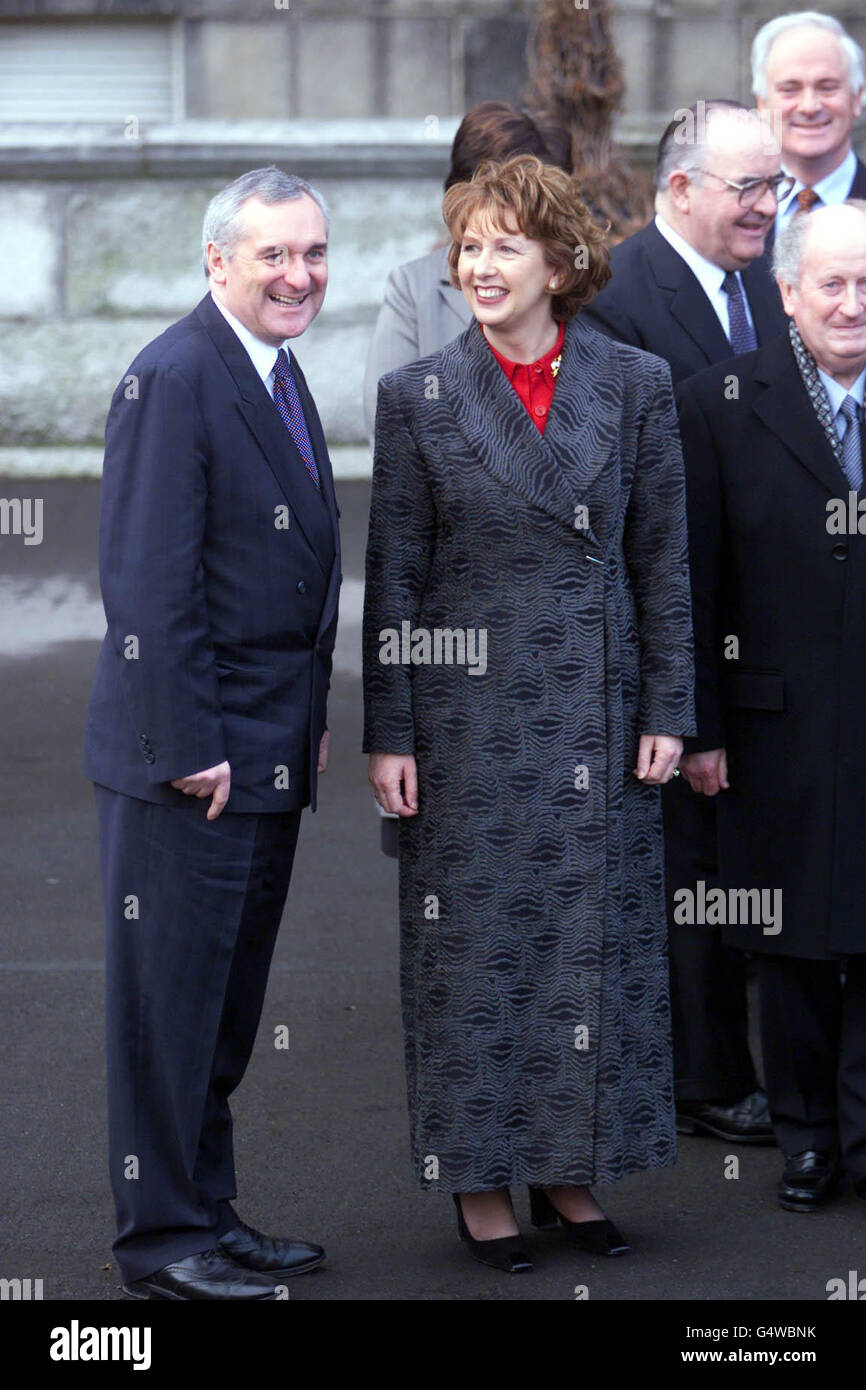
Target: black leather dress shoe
{"x": 860, "y": 1187}
{"x": 747, "y": 1121}
{"x": 270, "y": 1254}
{"x": 208, "y": 1274}
{"x": 809, "y": 1180}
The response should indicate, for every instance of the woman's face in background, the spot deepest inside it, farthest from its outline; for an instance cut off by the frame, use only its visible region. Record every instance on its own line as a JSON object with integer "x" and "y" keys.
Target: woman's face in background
{"x": 505, "y": 277}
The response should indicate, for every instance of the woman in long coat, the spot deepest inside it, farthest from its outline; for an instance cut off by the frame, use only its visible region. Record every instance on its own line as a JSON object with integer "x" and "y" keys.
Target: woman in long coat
{"x": 551, "y": 568}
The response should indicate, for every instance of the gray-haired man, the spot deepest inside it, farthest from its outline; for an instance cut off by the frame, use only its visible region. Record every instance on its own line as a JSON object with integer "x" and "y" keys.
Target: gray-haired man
{"x": 220, "y": 571}
{"x": 774, "y": 454}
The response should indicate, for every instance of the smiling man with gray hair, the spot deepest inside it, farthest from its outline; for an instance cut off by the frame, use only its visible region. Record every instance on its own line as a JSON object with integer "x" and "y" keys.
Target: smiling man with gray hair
{"x": 774, "y": 454}
{"x": 807, "y": 77}
{"x": 220, "y": 571}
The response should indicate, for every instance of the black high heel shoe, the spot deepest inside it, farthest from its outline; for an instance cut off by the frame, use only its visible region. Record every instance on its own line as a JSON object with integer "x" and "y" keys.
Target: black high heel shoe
{"x": 597, "y": 1237}
{"x": 504, "y": 1253}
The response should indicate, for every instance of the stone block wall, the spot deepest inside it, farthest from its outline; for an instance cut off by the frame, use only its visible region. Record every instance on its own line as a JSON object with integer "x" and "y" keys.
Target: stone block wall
{"x": 100, "y": 226}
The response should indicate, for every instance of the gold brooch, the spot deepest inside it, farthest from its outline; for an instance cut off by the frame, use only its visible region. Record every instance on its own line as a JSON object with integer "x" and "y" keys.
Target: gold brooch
{"x": 554, "y": 366}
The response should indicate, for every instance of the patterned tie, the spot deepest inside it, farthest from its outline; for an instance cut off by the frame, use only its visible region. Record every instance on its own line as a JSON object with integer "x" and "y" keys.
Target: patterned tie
{"x": 806, "y": 200}
{"x": 852, "y": 459}
{"x": 288, "y": 403}
{"x": 741, "y": 334}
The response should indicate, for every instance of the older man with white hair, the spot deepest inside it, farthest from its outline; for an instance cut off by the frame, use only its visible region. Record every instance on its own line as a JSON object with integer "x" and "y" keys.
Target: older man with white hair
{"x": 807, "y": 77}
{"x": 774, "y": 452}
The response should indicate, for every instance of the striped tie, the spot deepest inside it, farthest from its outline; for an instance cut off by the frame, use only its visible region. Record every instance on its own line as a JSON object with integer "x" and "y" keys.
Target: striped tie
{"x": 288, "y": 403}
{"x": 852, "y": 460}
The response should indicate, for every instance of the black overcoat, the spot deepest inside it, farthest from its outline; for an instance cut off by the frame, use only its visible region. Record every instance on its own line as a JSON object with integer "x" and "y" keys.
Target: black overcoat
{"x": 533, "y": 945}
{"x": 769, "y": 571}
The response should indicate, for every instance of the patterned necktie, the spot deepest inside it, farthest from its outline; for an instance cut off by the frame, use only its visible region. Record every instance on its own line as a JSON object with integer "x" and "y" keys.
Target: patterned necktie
{"x": 741, "y": 334}
{"x": 288, "y": 403}
{"x": 852, "y": 459}
{"x": 806, "y": 200}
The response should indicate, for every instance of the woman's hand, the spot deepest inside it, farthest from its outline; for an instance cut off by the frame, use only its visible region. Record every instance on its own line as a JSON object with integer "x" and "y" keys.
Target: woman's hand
{"x": 394, "y": 779}
{"x": 657, "y": 757}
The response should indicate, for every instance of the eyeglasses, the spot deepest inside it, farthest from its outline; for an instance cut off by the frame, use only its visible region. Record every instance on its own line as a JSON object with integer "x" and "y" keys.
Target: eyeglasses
{"x": 753, "y": 190}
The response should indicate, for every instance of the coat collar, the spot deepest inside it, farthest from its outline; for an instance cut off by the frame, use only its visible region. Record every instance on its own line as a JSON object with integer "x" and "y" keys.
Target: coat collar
{"x": 274, "y": 440}
{"x": 782, "y": 402}
{"x": 554, "y": 470}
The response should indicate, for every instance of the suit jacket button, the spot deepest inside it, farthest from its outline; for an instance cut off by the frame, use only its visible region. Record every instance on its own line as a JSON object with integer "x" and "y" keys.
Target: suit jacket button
{"x": 149, "y": 757}
{"x": 143, "y": 740}
{"x": 840, "y": 552}
{"x": 301, "y": 586}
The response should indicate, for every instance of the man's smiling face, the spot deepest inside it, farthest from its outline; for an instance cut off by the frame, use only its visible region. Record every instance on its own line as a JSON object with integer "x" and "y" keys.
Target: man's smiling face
{"x": 275, "y": 279}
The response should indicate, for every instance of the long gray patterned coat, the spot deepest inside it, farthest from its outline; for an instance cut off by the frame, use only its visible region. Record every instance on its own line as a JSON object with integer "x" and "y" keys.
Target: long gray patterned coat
{"x": 533, "y": 947}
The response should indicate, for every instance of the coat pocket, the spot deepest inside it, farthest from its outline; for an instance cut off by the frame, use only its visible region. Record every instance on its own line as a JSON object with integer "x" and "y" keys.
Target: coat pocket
{"x": 751, "y": 689}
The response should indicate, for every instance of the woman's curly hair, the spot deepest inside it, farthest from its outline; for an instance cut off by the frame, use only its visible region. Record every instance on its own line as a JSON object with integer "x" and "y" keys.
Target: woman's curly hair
{"x": 545, "y": 204}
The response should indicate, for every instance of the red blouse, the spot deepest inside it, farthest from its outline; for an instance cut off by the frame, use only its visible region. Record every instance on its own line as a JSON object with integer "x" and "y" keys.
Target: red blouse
{"x": 534, "y": 381}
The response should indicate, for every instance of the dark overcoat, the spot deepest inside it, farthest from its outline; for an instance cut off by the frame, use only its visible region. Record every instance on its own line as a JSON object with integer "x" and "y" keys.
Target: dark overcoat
{"x": 770, "y": 571}
{"x": 533, "y": 948}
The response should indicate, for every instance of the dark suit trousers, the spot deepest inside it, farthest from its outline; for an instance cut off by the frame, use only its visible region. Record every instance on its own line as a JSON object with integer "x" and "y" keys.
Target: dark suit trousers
{"x": 813, "y": 1037}
{"x": 708, "y": 979}
{"x": 192, "y": 911}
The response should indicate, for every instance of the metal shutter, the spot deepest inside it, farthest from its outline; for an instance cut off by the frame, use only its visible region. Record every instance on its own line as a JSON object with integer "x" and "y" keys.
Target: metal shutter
{"x": 92, "y": 71}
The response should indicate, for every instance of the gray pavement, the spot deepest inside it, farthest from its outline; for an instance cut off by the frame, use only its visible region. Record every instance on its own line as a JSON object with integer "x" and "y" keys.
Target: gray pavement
{"x": 321, "y": 1134}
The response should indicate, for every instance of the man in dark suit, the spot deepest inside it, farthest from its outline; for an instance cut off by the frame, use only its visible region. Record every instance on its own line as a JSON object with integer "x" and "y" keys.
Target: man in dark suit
{"x": 807, "y": 76}
{"x": 220, "y": 572}
{"x": 688, "y": 289}
{"x": 774, "y": 453}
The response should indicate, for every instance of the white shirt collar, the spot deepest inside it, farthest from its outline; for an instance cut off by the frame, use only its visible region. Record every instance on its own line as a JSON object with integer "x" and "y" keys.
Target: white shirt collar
{"x": 833, "y": 188}
{"x": 262, "y": 355}
{"x": 838, "y": 393}
{"x": 709, "y": 275}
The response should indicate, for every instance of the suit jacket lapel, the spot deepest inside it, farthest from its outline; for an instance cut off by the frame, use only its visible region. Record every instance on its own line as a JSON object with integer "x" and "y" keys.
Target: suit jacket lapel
{"x": 687, "y": 302}
{"x": 784, "y": 406}
{"x": 764, "y": 299}
{"x": 273, "y": 438}
{"x": 552, "y": 471}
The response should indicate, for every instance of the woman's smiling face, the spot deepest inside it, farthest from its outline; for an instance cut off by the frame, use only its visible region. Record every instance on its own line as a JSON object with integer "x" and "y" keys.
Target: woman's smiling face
{"x": 504, "y": 275}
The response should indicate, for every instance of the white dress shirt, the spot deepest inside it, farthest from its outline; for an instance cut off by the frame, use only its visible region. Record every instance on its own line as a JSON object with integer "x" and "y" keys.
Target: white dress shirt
{"x": 709, "y": 276}
{"x": 832, "y": 189}
{"x": 262, "y": 355}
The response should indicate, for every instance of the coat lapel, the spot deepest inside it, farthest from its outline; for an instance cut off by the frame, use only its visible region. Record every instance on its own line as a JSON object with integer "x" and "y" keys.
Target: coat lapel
{"x": 273, "y": 438}
{"x": 552, "y": 471}
{"x": 764, "y": 299}
{"x": 784, "y": 406}
{"x": 687, "y": 302}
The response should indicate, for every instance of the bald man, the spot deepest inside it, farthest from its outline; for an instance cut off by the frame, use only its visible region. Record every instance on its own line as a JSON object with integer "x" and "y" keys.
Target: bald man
{"x": 774, "y": 454}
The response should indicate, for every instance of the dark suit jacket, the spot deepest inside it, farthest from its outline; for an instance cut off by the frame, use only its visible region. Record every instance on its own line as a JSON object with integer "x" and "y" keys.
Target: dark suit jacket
{"x": 220, "y": 573}
{"x": 768, "y": 569}
{"x": 655, "y": 302}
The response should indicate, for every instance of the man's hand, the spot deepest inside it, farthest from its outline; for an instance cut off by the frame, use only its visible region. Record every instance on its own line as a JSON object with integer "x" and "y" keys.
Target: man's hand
{"x": 324, "y": 749}
{"x": 394, "y": 778}
{"x": 707, "y": 772}
{"x": 657, "y": 757}
{"x": 214, "y": 780}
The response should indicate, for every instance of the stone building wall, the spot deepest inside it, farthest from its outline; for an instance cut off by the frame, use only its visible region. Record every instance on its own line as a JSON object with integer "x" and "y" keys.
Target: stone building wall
{"x": 100, "y": 220}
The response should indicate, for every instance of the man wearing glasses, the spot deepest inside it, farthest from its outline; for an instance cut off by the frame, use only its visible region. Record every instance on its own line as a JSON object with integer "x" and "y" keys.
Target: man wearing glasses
{"x": 689, "y": 288}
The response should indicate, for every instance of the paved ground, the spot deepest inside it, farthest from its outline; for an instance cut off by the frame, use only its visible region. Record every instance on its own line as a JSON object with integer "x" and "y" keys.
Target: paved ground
{"x": 321, "y": 1129}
